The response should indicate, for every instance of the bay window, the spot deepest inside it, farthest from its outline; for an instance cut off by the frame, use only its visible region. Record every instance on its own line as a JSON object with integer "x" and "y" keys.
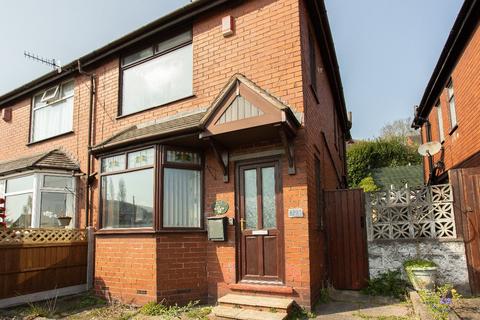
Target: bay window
{"x": 38, "y": 199}
{"x": 158, "y": 74}
{"x": 52, "y": 112}
{"x": 128, "y": 189}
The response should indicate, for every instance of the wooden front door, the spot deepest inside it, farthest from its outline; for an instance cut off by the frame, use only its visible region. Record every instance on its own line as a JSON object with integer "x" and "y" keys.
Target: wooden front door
{"x": 260, "y": 222}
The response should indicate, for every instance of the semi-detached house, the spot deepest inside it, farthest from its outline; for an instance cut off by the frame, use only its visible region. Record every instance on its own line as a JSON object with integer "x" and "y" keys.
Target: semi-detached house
{"x": 221, "y": 107}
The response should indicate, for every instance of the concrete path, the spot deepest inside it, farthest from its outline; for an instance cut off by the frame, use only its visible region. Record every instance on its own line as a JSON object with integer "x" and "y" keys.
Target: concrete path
{"x": 345, "y": 305}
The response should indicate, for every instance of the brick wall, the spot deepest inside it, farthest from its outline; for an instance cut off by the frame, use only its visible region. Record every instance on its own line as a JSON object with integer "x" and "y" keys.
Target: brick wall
{"x": 322, "y": 142}
{"x": 463, "y": 142}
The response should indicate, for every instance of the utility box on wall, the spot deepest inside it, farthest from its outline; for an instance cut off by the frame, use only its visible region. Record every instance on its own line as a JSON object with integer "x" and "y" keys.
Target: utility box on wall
{"x": 217, "y": 228}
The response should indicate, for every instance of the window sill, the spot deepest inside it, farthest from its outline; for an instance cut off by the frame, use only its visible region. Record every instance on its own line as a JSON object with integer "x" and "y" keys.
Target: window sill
{"x": 125, "y": 231}
{"x": 455, "y": 127}
{"x": 314, "y": 93}
{"x": 121, "y": 116}
{"x": 51, "y": 138}
{"x": 146, "y": 231}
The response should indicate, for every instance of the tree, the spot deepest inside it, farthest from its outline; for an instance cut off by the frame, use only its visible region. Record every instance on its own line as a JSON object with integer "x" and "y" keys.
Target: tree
{"x": 364, "y": 156}
{"x": 400, "y": 129}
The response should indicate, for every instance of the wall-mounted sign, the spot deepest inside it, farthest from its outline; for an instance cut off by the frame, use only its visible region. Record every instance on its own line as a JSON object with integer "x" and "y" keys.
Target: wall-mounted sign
{"x": 220, "y": 207}
{"x": 295, "y": 213}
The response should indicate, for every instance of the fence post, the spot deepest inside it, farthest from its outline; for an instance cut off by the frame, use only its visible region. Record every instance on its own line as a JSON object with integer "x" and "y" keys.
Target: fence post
{"x": 90, "y": 257}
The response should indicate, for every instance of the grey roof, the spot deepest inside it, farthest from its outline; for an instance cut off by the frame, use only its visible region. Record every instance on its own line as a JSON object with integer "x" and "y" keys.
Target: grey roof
{"x": 155, "y": 129}
{"x": 54, "y": 159}
{"x": 398, "y": 176}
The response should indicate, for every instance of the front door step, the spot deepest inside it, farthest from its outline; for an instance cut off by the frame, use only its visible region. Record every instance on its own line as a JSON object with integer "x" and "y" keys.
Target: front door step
{"x": 236, "y": 306}
{"x": 223, "y": 312}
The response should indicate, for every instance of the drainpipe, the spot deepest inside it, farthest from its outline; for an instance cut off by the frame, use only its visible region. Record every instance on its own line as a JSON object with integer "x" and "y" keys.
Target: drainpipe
{"x": 89, "y": 147}
{"x": 428, "y": 133}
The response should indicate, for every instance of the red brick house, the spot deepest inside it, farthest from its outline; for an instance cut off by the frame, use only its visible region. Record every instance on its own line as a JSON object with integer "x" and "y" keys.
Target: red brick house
{"x": 220, "y": 107}
{"x": 449, "y": 113}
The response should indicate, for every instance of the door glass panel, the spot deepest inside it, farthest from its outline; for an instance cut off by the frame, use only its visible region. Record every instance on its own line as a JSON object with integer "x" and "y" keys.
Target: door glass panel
{"x": 268, "y": 198}
{"x": 251, "y": 208}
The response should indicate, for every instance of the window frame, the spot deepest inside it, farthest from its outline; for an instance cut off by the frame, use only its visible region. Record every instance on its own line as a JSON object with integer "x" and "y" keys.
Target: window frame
{"x": 102, "y": 174}
{"x": 441, "y": 129}
{"x": 185, "y": 166}
{"x": 156, "y": 54}
{"x": 451, "y": 102}
{"x": 36, "y": 191}
{"x": 33, "y": 109}
{"x": 159, "y": 164}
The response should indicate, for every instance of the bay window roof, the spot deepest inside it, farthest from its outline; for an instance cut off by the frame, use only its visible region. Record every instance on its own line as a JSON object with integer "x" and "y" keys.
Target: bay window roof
{"x": 54, "y": 159}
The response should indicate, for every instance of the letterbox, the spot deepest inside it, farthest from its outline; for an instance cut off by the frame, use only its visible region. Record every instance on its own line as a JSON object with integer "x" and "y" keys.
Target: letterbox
{"x": 217, "y": 228}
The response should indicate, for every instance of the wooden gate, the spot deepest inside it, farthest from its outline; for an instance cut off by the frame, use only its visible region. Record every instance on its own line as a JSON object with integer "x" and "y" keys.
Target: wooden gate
{"x": 466, "y": 184}
{"x": 346, "y": 239}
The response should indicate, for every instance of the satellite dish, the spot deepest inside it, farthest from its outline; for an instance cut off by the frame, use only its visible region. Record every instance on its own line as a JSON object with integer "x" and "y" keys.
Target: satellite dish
{"x": 430, "y": 148}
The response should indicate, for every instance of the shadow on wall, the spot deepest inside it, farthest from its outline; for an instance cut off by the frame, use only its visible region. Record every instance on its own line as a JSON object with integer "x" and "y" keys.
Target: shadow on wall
{"x": 449, "y": 255}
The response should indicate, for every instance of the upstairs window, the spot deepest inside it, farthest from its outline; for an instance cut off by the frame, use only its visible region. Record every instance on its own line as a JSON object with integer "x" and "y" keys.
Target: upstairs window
{"x": 157, "y": 75}
{"x": 451, "y": 104}
{"x": 441, "y": 133}
{"x": 52, "y": 112}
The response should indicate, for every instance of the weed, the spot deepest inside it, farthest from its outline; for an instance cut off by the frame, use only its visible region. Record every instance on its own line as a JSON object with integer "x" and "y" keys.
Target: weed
{"x": 441, "y": 300}
{"x": 389, "y": 284}
{"x": 168, "y": 312}
{"x": 299, "y": 313}
{"x": 324, "y": 296}
{"x": 367, "y": 317}
{"x": 199, "y": 313}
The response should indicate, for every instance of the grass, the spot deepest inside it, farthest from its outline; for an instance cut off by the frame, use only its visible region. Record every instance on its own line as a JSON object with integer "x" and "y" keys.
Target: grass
{"x": 88, "y": 306}
{"x": 367, "y": 317}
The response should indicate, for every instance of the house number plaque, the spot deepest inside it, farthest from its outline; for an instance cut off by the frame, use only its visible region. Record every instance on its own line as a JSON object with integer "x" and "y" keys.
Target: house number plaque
{"x": 220, "y": 207}
{"x": 295, "y": 213}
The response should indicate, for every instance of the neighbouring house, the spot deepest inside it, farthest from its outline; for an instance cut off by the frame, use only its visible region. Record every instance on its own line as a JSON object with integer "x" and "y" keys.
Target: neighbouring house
{"x": 449, "y": 113}
{"x": 230, "y": 108}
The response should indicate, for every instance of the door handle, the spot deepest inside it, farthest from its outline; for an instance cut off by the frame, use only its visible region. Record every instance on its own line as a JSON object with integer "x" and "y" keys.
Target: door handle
{"x": 242, "y": 224}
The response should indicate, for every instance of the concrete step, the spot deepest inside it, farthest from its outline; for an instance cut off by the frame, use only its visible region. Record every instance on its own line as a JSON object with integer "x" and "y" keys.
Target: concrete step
{"x": 259, "y": 303}
{"x": 224, "y": 312}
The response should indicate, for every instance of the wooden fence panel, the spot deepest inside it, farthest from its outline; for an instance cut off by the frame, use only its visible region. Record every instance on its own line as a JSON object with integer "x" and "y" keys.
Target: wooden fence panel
{"x": 347, "y": 239}
{"x": 34, "y": 267}
{"x": 466, "y": 183}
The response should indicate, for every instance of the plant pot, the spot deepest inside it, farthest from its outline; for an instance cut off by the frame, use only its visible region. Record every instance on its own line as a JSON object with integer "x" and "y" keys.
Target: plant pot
{"x": 64, "y": 221}
{"x": 423, "y": 278}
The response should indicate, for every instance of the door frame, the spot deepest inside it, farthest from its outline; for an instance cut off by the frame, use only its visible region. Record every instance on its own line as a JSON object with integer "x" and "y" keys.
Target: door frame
{"x": 280, "y": 215}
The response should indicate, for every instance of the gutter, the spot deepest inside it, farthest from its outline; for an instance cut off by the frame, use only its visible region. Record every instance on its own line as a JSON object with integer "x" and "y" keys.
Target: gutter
{"x": 177, "y": 17}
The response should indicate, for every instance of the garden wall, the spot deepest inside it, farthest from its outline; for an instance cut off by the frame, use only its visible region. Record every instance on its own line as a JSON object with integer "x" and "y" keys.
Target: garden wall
{"x": 449, "y": 255}
{"x": 416, "y": 223}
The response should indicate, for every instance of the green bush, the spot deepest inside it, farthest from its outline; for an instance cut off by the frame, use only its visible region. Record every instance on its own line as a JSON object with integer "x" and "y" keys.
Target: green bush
{"x": 390, "y": 284}
{"x": 364, "y": 156}
{"x": 368, "y": 184}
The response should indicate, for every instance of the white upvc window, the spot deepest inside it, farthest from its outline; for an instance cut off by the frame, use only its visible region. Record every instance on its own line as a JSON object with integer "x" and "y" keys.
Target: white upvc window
{"x": 52, "y": 112}
{"x": 441, "y": 132}
{"x": 39, "y": 199}
{"x": 451, "y": 104}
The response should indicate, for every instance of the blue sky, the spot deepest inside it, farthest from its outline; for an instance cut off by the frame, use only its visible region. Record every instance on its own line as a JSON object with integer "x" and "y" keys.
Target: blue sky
{"x": 387, "y": 49}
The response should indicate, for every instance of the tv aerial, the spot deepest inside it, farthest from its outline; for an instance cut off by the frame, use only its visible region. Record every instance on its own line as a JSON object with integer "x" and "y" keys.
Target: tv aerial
{"x": 55, "y": 64}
